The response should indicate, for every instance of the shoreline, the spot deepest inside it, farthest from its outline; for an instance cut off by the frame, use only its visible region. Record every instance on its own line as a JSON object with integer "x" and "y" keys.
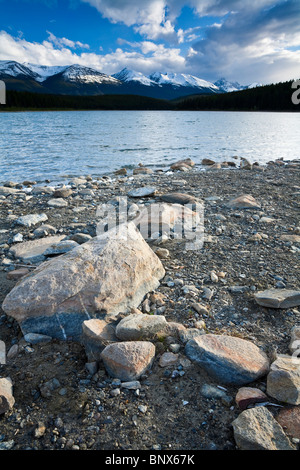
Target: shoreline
{"x": 245, "y": 251}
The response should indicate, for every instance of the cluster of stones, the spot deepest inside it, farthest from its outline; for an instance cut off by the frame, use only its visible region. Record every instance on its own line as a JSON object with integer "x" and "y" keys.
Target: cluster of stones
{"x": 81, "y": 292}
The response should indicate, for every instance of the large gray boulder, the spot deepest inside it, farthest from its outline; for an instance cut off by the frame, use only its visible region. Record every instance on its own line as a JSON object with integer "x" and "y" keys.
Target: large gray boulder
{"x": 106, "y": 276}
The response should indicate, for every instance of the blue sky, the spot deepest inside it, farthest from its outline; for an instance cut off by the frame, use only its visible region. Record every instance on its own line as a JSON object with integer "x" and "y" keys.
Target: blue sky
{"x": 244, "y": 40}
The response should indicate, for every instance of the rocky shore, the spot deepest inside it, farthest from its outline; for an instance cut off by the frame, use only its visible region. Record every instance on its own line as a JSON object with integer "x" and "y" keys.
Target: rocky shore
{"x": 139, "y": 338}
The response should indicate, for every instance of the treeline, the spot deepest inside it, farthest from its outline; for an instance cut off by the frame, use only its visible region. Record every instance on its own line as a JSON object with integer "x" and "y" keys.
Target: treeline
{"x": 276, "y": 97}
{"x": 20, "y": 100}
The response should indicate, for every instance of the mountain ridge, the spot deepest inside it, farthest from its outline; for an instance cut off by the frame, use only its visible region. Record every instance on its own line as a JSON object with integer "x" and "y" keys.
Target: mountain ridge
{"x": 76, "y": 79}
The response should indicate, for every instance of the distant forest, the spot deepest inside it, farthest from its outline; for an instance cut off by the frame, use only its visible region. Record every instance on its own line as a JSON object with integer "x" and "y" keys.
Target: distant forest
{"x": 275, "y": 97}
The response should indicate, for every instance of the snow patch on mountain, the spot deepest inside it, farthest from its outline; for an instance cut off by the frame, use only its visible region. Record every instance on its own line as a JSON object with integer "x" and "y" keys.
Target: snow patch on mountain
{"x": 181, "y": 79}
{"x": 226, "y": 86}
{"x": 45, "y": 71}
{"x": 79, "y": 73}
{"x": 14, "y": 69}
{"x": 126, "y": 75}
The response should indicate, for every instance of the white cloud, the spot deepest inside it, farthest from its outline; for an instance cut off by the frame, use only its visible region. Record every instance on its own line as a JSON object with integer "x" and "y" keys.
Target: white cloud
{"x": 252, "y": 45}
{"x": 64, "y": 42}
{"x": 147, "y": 58}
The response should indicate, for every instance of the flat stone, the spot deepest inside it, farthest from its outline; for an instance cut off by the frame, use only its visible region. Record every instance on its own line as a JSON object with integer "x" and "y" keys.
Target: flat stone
{"x": 17, "y": 274}
{"x": 33, "y": 251}
{"x": 144, "y": 191}
{"x": 248, "y": 396}
{"x": 168, "y": 359}
{"x": 7, "y": 400}
{"x": 283, "y": 381}
{"x": 81, "y": 238}
{"x": 57, "y": 202}
{"x": 246, "y": 201}
{"x": 60, "y": 248}
{"x": 256, "y": 429}
{"x": 228, "y": 359}
{"x": 188, "y": 162}
{"x": 133, "y": 385}
{"x": 178, "y": 198}
{"x": 137, "y": 327}
{"x": 128, "y": 360}
{"x": 278, "y": 298}
{"x": 31, "y": 219}
{"x": 142, "y": 171}
{"x": 290, "y": 238}
{"x": 108, "y": 275}
{"x": 5, "y": 191}
{"x": 289, "y": 419}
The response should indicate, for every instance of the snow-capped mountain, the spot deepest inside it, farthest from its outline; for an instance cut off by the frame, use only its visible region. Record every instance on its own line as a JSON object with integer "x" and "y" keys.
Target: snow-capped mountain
{"x": 80, "y": 80}
{"x": 126, "y": 76}
{"x": 226, "y": 86}
{"x": 14, "y": 69}
{"x": 181, "y": 79}
{"x": 78, "y": 73}
{"x": 45, "y": 71}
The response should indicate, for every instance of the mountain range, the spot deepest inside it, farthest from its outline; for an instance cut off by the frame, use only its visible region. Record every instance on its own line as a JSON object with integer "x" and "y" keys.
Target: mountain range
{"x": 80, "y": 80}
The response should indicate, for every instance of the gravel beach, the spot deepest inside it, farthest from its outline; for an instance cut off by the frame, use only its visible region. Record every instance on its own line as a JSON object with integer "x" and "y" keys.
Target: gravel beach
{"x": 65, "y": 401}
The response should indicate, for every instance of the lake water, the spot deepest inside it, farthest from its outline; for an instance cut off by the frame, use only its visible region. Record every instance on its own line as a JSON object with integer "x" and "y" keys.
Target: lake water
{"x": 54, "y": 145}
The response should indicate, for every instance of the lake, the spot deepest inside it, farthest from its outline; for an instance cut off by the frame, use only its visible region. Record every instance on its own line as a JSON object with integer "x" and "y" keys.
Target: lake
{"x": 56, "y": 145}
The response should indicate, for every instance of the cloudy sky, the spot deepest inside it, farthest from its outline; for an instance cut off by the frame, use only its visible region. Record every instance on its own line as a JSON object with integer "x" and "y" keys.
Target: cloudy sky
{"x": 244, "y": 40}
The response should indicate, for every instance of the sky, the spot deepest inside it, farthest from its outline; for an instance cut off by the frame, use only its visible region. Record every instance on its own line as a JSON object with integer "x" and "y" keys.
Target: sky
{"x": 241, "y": 40}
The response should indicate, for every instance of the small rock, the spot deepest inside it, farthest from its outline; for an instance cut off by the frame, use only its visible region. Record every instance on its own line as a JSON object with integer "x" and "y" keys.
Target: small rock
{"x": 245, "y": 201}
{"x": 132, "y": 385}
{"x": 162, "y": 253}
{"x": 168, "y": 359}
{"x": 289, "y": 419}
{"x": 295, "y": 340}
{"x": 136, "y": 327}
{"x": 144, "y": 191}
{"x": 256, "y": 429}
{"x": 17, "y": 274}
{"x": 58, "y": 202}
{"x": 142, "y": 408}
{"x": 201, "y": 309}
{"x": 247, "y": 396}
{"x": 44, "y": 230}
{"x": 6, "y": 395}
{"x": 62, "y": 192}
{"x": 278, "y": 298}
{"x": 283, "y": 381}
{"x": 2, "y": 353}
{"x": 18, "y": 238}
{"x": 31, "y": 219}
{"x": 128, "y": 360}
{"x": 227, "y": 358}
{"x": 35, "y": 338}
{"x": 40, "y": 430}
